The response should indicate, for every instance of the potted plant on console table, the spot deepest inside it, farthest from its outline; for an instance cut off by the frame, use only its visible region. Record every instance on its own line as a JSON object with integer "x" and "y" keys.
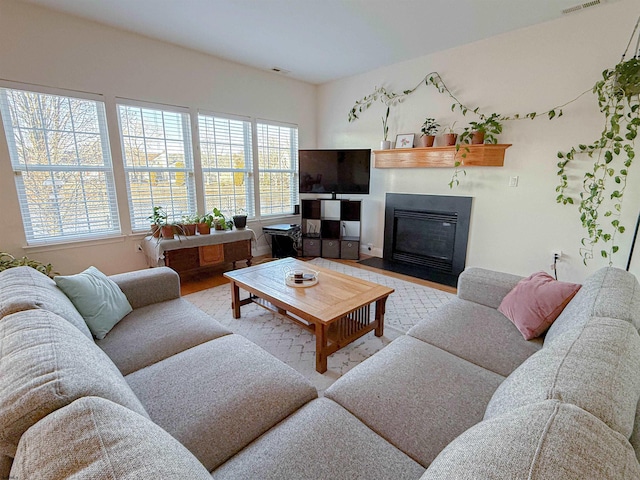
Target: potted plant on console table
{"x": 158, "y": 218}
{"x": 220, "y": 222}
{"x": 204, "y": 224}
{"x": 240, "y": 219}
{"x": 189, "y": 224}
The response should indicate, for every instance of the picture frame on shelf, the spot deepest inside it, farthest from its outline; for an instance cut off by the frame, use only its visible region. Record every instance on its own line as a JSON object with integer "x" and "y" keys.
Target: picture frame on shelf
{"x": 405, "y": 140}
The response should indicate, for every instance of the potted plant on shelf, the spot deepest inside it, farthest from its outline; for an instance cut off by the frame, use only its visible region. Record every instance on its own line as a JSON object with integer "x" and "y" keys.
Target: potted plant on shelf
{"x": 484, "y": 131}
{"x": 158, "y": 218}
{"x": 240, "y": 219}
{"x": 189, "y": 224}
{"x": 429, "y": 130}
{"x": 450, "y": 136}
{"x": 385, "y": 144}
{"x": 204, "y": 224}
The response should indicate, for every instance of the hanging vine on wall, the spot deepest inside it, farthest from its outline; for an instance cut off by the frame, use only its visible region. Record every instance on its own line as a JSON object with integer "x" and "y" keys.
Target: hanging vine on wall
{"x": 618, "y": 95}
{"x": 619, "y": 101}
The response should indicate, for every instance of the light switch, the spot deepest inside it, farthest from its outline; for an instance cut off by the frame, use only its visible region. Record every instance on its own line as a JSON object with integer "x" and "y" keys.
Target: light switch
{"x": 513, "y": 181}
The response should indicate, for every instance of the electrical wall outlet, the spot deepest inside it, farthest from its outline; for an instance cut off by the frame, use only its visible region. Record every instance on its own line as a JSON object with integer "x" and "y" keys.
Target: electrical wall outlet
{"x": 513, "y": 181}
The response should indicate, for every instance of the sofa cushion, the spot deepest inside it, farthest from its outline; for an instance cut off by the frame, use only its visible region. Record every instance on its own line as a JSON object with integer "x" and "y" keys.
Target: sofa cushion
{"x": 219, "y": 396}
{"x": 46, "y": 363}
{"x": 597, "y": 371}
{"x": 416, "y": 396}
{"x": 609, "y": 292}
{"x": 486, "y": 287}
{"x": 96, "y": 438}
{"x": 155, "y": 332}
{"x": 98, "y": 299}
{"x": 151, "y": 285}
{"x": 24, "y": 288}
{"x": 535, "y": 302}
{"x": 543, "y": 441}
{"x": 479, "y": 334}
{"x": 321, "y": 440}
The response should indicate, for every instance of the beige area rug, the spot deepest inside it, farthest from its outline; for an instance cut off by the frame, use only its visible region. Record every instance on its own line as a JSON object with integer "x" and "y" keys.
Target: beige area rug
{"x": 296, "y": 346}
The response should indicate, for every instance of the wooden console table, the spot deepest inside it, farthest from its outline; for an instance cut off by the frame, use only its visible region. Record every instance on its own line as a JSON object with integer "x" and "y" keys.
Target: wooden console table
{"x": 199, "y": 252}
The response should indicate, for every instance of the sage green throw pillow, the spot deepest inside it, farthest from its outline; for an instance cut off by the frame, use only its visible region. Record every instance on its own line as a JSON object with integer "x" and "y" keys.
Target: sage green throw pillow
{"x": 98, "y": 299}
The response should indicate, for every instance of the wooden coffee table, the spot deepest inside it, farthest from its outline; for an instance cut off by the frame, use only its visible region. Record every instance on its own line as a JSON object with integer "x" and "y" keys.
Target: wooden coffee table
{"x": 336, "y": 310}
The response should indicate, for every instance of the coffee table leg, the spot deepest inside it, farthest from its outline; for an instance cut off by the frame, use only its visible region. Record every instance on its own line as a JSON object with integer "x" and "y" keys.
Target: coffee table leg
{"x": 380, "y": 307}
{"x": 235, "y": 300}
{"x": 321, "y": 345}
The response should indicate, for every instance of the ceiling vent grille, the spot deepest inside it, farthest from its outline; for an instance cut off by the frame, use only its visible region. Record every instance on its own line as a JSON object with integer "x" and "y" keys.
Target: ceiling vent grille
{"x": 582, "y": 6}
{"x": 279, "y": 70}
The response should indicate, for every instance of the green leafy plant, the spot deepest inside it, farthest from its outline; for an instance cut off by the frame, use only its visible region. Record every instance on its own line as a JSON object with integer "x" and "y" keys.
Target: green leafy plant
{"x": 158, "y": 217}
{"x": 385, "y": 125}
{"x": 451, "y": 128}
{"x": 190, "y": 219}
{"x": 490, "y": 126}
{"x": 430, "y": 126}
{"x": 9, "y": 261}
{"x": 220, "y": 221}
{"x": 206, "y": 218}
{"x": 603, "y": 186}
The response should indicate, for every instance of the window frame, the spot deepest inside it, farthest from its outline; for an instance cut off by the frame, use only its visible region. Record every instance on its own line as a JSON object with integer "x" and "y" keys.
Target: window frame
{"x": 19, "y": 167}
{"x": 189, "y": 169}
{"x": 294, "y": 193}
{"x": 249, "y": 152}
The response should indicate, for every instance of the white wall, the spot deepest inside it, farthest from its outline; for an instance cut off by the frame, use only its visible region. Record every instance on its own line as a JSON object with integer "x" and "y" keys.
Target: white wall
{"x": 42, "y": 47}
{"x": 533, "y": 69}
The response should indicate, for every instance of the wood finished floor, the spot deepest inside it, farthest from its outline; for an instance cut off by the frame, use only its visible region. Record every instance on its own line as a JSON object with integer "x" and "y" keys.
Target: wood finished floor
{"x": 196, "y": 283}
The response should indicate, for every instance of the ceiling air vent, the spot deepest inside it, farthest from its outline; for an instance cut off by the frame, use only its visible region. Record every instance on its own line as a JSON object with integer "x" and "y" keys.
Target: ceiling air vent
{"x": 582, "y": 6}
{"x": 279, "y": 70}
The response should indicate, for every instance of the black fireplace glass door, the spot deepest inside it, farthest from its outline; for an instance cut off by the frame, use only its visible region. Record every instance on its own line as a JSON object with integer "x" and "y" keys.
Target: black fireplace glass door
{"x": 425, "y": 238}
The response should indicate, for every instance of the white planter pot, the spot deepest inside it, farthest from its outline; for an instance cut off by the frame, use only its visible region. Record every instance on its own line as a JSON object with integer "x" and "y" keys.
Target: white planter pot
{"x": 385, "y": 145}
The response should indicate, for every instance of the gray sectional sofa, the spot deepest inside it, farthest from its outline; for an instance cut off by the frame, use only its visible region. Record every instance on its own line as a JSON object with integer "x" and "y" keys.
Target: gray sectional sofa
{"x": 170, "y": 393}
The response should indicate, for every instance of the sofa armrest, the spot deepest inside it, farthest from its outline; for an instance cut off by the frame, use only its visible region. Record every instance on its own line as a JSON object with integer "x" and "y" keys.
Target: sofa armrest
{"x": 153, "y": 285}
{"x": 486, "y": 287}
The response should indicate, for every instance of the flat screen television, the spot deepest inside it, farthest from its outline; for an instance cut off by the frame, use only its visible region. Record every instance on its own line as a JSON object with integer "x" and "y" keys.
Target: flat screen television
{"x": 334, "y": 171}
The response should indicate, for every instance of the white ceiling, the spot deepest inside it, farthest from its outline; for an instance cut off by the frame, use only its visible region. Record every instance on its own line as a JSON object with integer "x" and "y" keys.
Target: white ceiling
{"x": 316, "y": 40}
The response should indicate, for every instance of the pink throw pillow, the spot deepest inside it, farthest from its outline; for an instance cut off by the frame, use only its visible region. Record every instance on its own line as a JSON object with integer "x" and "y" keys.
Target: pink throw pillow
{"x": 535, "y": 302}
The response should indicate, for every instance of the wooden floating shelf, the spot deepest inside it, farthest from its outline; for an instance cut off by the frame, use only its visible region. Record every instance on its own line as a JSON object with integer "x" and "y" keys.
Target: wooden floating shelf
{"x": 484, "y": 155}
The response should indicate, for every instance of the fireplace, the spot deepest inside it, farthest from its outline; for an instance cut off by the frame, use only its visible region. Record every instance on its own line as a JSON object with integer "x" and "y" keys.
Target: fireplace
{"x": 425, "y": 236}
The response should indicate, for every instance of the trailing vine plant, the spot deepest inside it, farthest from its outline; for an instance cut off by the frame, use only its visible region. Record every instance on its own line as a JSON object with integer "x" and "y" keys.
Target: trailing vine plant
{"x": 618, "y": 95}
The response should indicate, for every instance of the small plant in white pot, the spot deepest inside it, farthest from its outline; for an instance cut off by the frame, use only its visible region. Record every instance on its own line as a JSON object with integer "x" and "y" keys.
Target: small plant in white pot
{"x": 385, "y": 144}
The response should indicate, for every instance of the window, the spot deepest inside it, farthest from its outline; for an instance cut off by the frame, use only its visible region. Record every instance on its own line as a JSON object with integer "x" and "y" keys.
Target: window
{"x": 60, "y": 156}
{"x": 277, "y": 164}
{"x": 158, "y": 161}
{"x": 227, "y": 163}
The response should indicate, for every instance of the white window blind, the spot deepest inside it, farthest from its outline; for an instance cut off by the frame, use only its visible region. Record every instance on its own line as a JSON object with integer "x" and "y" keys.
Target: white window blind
{"x": 158, "y": 161}
{"x": 278, "y": 168}
{"x": 60, "y": 155}
{"x": 227, "y": 163}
